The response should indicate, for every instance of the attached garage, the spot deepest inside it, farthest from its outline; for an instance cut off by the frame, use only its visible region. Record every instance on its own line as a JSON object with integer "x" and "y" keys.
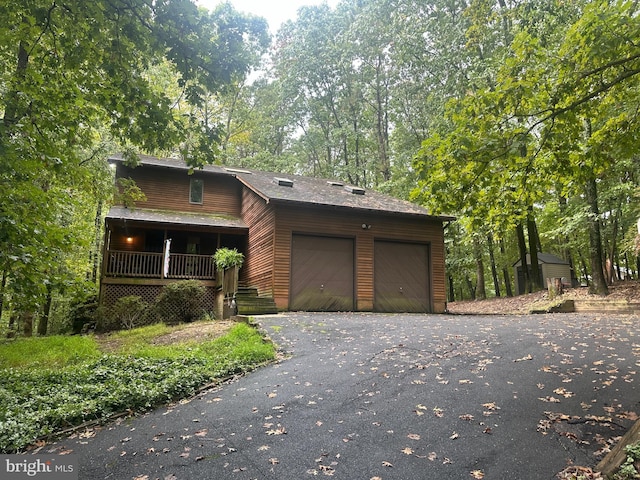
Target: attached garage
{"x": 322, "y": 273}
{"x": 401, "y": 277}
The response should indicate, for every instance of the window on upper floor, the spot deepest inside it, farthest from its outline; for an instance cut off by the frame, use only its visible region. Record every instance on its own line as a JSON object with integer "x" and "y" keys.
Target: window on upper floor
{"x": 196, "y": 191}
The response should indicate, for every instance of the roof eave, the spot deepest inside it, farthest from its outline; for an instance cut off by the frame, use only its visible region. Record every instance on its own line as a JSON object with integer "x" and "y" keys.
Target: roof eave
{"x": 284, "y": 201}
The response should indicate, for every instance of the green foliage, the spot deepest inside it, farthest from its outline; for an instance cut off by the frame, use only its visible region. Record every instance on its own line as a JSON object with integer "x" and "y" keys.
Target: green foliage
{"x": 628, "y": 470}
{"x": 83, "y": 310}
{"x": 228, "y": 258}
{"x": 129, "y": 312}
{"x": 36, "y": 402}
{"x": 181, "y": 301}
{"x": 548, "y": 115}
{"x": 128, "y": 193}
{"x": 77, "y": 82}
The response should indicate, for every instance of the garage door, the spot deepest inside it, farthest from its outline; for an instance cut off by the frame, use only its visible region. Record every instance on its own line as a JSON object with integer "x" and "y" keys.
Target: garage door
{"x": 322, "y": 275}
{"x": 401, "y": 277}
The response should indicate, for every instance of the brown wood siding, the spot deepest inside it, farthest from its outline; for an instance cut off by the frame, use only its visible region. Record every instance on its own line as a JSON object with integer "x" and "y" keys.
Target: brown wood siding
{"x": 258, "y": 267}
{"x": 168, "y": 189}
{"x": 292, "y": 219}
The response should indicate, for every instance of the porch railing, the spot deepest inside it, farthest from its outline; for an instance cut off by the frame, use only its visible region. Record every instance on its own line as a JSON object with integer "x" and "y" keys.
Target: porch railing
{"x": 151, "y": 265}
{"x": 182, "y": 265}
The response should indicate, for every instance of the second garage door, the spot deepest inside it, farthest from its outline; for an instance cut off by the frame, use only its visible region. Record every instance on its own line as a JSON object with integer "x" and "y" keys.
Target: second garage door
{"x": 322, "y": 274}
{"x": 401, "y": 277}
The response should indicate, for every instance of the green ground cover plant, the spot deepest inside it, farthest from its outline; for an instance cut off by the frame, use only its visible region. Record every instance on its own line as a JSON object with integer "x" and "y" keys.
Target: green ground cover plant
{"x": 629, "y": 469}
{"x": 38, "y": 399}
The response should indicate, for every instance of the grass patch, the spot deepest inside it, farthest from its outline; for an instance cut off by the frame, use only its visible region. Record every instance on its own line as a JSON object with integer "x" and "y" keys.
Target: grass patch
{"x": 36, "y": 401}
{"x": 47, "y": 352}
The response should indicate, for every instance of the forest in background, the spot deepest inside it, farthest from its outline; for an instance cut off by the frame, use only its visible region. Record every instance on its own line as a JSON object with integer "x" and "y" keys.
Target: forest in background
{"x": 519, "y": 117}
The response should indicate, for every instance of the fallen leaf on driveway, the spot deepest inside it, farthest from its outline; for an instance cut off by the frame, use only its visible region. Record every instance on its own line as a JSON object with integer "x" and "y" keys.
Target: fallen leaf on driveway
{"x": 407, "y": 451}
{"x": 387, "y": 464}
{"x": 477, "y": 474}
{"x": 564, "y": 392}
{"x": 549, "y": 399}
{"x": 523, "y": 359}
{"x": 578, "y": 472}
{"x": 277, "y": 431}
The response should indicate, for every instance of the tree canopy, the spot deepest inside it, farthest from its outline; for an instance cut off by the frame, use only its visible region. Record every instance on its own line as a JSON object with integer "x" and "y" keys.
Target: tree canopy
{"x": 78, "y": 80}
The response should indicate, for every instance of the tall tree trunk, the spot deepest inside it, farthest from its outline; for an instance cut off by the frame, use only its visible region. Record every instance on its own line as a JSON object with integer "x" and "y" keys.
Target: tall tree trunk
{"x": 27, "y": 323}
{"x": 12, "y": 110}
{"x": 566, "y": 251}
{"x": 532, "y": 230}
{"x": 12, "y": 326}
{"x": 97, "y": 243}
{"x": 43, "y": 323}
{"x": 472, "y": 290}
{"x": 585, "y": 270}
{"x": 481, "y": 291}
{"x": 505, "y": 273}
{"x": 613, "y": 250}
{"x": 382, "y": 123}
{"x": 2, "y": 287}
{"x": 598, "y": 283}
{"x": 452, "y": 293}
{"x": 522, "y": 248}
{"x": 494, "y": 270}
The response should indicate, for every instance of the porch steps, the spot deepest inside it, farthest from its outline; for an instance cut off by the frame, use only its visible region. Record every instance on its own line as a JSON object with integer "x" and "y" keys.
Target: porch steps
{"x": 250, "y": 303}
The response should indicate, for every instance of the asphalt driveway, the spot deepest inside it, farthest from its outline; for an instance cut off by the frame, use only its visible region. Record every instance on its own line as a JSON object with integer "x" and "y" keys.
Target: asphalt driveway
{"x": 362, "y": 396}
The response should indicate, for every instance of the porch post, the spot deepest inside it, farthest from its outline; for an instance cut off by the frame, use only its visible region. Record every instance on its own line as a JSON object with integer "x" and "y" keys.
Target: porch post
{"x": 165, "y": 258}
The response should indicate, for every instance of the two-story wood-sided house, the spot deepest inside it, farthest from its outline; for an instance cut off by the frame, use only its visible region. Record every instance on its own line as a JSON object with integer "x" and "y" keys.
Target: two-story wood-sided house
{"x": 310, "y": 244}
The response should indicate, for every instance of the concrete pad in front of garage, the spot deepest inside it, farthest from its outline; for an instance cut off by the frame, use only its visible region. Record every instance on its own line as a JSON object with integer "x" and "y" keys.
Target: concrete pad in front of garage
{"x": 362, "y": 396}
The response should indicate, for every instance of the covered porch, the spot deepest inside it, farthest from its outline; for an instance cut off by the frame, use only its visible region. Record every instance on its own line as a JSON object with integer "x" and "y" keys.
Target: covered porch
{"x": 160, "y": 245}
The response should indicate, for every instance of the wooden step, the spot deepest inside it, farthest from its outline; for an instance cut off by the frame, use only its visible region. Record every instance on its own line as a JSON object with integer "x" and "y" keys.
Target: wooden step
{"x": 606, "y": 306}
{"x": 250, "y": 303}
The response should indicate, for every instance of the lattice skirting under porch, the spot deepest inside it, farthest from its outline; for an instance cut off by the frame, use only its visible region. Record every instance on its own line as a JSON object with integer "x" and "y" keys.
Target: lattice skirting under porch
{"x": 111, "y": 293}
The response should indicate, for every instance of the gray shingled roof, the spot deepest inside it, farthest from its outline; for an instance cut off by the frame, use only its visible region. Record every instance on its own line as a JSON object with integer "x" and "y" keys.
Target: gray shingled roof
{"x": 544, "y": 258}
{"x": 170, "y": 163}
{"x": 304, "y": 190}
{"x": 174, "y": 218}
{"x": 323, "y": 192}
